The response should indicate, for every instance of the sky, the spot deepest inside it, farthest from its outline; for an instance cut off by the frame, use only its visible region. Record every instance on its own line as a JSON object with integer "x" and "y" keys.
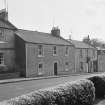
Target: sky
{"x": 77, "y": 18}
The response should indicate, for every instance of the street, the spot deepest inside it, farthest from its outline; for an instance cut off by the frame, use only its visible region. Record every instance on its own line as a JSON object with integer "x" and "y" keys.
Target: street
{"x": 11, "y": 90}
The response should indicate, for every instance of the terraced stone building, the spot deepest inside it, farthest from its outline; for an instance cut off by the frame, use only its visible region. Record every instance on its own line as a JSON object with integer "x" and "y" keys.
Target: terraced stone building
{"x": 85, "y": 57}
{"x": 33, "y": 53}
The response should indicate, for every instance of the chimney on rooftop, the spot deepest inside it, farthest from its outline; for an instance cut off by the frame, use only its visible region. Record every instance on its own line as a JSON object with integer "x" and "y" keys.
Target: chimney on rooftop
{"x": 3, "y": 14}
{"x": 55, "y": 31}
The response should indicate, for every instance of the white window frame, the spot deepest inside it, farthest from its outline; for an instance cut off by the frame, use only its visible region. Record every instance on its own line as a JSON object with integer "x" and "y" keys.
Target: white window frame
{"x": 67, "y": 51}
{"x": 40, "y": 50}
{"x": 40, "y": 70}
{"x": 81, "y": 65}
{"x": 1, "y": 33}
{"x": 94, "y": 53}
{"x": 81, "y": 53}
{"x": 2, "y": 58}
{"x": 54, "y": 54}
{"x": 87, "y": 52}
{"x": 66, "y": 66}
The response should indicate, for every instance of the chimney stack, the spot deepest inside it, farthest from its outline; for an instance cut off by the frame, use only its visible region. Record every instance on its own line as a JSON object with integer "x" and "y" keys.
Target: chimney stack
{"x": 55, "y": 31}
{"x": 3, "y": 14}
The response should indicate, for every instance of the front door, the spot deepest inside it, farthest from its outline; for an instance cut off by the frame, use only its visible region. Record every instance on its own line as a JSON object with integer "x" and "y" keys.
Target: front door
{"x": 95, "y": 69}
{"x": 55, "y": 68}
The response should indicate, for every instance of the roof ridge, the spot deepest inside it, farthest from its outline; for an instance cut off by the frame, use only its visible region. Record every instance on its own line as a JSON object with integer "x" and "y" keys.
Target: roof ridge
{"x": 33, "y": 31}
{"x": 81, "y": 44}
{"x": 27, "y": 30}
{"x": 34, "y": 36}
{"x": 66, "y": 40}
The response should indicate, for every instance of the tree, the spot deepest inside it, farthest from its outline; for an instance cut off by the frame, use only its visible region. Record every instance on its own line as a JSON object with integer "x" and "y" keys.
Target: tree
{"x": 94, "y": 42}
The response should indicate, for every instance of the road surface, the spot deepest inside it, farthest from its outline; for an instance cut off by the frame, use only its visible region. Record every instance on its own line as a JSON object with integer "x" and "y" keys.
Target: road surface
{"x": 11, "y": 90}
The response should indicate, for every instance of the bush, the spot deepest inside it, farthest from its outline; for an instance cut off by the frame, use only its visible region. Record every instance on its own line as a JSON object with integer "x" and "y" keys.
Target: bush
{"x": 76, "y": 93}
{"x": 53, "y": 96}
{"x": 99, "y": 84}
{"x": 33, "y": 98}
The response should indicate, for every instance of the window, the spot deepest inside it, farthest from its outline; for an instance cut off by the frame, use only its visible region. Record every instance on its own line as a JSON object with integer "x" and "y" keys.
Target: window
{"x": 66, "y": 63}
{"x": 1, "y": 58}
{"x": 66, "y": 66}
{"x": 87, "y": 52}
{"x": 1, "y": 33}
{"x": 54, "y": 50}
{"x": 67, "y": 50}
{"x": 93, "y": 53}
{"x": 81, "y": 53}
{"x": 40, "y": 69}
{"x": 103, "y": 51}
{"x": 81, "y": 65}
{"x": 40, "y": 50}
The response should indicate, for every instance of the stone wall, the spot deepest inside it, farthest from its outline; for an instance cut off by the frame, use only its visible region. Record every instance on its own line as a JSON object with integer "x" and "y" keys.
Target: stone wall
{"x": 48, "y": 59}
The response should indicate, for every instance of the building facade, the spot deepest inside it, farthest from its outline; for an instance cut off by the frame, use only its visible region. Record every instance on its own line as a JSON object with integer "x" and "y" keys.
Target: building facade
{"x": 85, "y": 57}
{"x": 44, "y": 54}
{"x": 101, "y": 59}
{"x": 7, "y": 47}
{"x": 33, "y": 53}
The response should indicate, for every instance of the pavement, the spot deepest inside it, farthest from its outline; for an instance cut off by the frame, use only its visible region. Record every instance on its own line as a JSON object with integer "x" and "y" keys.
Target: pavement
{"x": 101, "y": 102}
{"x": 5, "y": 81}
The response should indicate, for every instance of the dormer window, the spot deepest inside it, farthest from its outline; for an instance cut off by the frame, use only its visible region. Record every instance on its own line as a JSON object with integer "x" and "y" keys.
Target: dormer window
{"x": 67, "y": 51}
{"x": 40, "y": 50}
{"x": 54, "y": 50}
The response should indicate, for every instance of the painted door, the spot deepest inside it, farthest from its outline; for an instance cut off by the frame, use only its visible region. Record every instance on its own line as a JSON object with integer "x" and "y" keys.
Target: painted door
{"x": 55, "y": 68}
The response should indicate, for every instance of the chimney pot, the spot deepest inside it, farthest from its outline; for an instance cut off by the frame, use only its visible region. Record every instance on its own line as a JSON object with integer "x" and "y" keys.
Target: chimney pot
{"x": 55, "y": 31}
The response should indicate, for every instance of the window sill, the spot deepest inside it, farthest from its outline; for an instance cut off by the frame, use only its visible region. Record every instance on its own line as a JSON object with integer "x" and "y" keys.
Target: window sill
{"x": 40, "y": 73}
{"x": 66, "y": 69}
{"x": 40, "y": 56}
{"x": 2, "y": 65}
{"x": 54, "y": 55}
{"x": 66, "y": 55}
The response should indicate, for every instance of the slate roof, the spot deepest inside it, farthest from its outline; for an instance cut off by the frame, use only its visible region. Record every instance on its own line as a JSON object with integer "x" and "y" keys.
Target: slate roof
{"x": 80, "y": 44}
{"x": 8, "y": 24}
{"x": 40, "y": 37}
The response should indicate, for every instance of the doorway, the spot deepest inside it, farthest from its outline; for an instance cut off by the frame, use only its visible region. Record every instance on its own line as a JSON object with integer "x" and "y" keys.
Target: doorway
{"x": 55, "y": 68}
{"x": 95, "y": 67}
